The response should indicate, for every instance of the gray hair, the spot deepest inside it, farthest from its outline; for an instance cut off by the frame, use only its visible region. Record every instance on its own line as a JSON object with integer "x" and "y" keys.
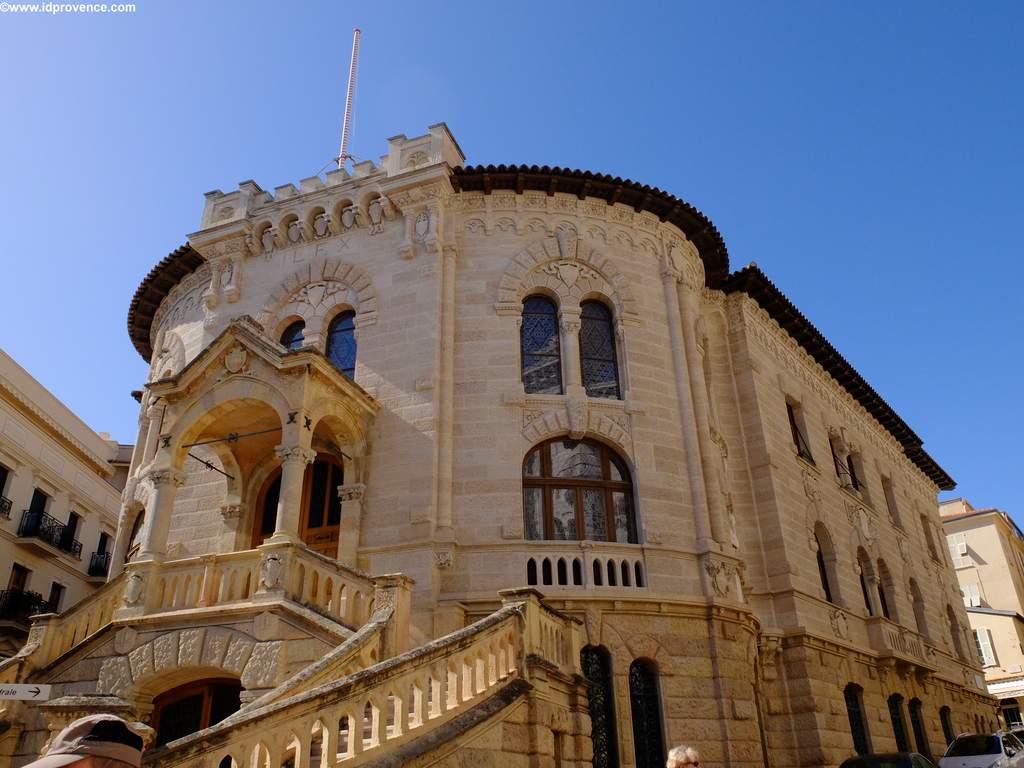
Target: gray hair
{"x": 683, "y": 755}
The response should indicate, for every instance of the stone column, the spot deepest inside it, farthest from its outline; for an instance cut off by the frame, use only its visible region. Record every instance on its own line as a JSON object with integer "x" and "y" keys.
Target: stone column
{"x": 294, "y": 460}
{"x": 154, "y": 413}
{"x": 166, "y": 483}
{"x": 569, "y": 327}
{"x": 688, "y": 425}
{"x": 351, "y": 497}
{"x": 446, "y": 391}
{"x": 708, "y": 451}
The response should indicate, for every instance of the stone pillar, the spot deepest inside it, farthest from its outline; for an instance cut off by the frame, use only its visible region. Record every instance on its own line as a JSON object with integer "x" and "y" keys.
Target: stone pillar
{"x": 154, "y": 414}
{"x": 165, "y": 484}
{"x": 294, "y": 460}
{"x": 569, "y": 327}
{"x": 446, "y": 392}
{"x": 701, "y": 410}
{"x": 394, "y": 591}
{"x": 688, "y": 426}
{"x": 351, "y": 497}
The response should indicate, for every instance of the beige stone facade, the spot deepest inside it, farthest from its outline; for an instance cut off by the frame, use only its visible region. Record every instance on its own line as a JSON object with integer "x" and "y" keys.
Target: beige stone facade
{"x": 987, "y": 551}
{"x": 60, "y": 496}
{"x": 690, "y": 595}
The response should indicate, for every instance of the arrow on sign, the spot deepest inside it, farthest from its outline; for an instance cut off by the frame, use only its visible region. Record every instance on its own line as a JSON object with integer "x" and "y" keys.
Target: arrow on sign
{"x": 24, "y": 692}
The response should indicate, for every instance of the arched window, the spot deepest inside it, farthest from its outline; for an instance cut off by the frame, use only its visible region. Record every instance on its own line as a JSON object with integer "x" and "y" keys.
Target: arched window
{"x": 192, "y": 707}
{"x": 597, "y": 668}
{"x": 920, "y": 614}
{"x": 134, "y": 538}
{"x": 293, "y": 335}
{"x": 577, "y": 489}
{"x": 917, "y": 724}
{"x": 948, "y": 732}
{"x": 540, "y": 347}
{"x": 886, "y": 593}
{"x": 864, "y": 573}
{"x": 264, "y": 525}
{"x": 899, "y": 725}
{"x": 826, "y": 557}
{"x": 858, "y": 725}
{"x": 320, "y": 527}
{"x": 598, "y": 361}
{"x": 645, "y": 707}
{"x": 954, "y": 631}
{"x": 341, "y": 343}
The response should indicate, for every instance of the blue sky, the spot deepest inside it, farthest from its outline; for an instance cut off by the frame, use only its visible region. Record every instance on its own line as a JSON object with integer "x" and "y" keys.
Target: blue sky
{"x": 867, "y": 155}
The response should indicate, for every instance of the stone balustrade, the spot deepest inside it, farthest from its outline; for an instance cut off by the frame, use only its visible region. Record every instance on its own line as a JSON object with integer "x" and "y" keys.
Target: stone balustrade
{"x": 902, "y": 644}
{"x": 349, "y": 721}
{"x": 586, "y": 564}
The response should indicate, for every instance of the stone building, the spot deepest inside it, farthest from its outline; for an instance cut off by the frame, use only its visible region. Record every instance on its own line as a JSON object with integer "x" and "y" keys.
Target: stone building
{"x": 60, "y": 492}
{"x": 987, "y": 549}
{"x": 446, "y": 464}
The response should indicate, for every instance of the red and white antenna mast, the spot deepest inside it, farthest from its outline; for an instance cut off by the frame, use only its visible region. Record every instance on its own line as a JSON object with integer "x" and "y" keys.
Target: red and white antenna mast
{"x": 346, "y": 125}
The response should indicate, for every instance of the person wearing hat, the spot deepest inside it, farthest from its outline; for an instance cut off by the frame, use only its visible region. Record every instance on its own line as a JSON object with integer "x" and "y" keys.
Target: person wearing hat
{"x": 94, "y": 741}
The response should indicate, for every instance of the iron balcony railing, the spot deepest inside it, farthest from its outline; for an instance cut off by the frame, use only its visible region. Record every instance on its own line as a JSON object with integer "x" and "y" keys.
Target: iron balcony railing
{"x": 5, "y": 507}
{"x": 99, "y": 563}
{"x": 41, "y": 526}
{"x": 18, "y": 604}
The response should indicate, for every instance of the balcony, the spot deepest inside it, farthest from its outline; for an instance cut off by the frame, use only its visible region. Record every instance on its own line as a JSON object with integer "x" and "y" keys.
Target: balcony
{"x": 5, "y": 508}
{"x": 42, "y": 527}
{"x": 99, "y": 565}
{"x": 900, "y": 645}
{"x": 17, "y": 605}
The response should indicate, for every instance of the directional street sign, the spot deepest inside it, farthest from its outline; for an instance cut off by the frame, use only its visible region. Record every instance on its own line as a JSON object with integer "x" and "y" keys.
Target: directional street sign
{"x": 24, "y": 692}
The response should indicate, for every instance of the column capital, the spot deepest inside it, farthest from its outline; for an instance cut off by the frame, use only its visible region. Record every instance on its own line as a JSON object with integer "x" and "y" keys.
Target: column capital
{"x": 165, "y": 477}
{"x": 294, "y": 453}
{"x": 353, "y": 492}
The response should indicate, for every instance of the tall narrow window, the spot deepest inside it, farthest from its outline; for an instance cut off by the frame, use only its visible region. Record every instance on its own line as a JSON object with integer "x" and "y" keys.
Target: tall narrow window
{"x": 864, "y": 573}
{"x": 957, "y": 548}
{"x": 293, "y": 335}
{"x": 920, "y": 733}
{"x": 856, "y": 480}
{"x": 38, "y": 504}
{"x": 264, "y": 525}
{"x": 575, "y": 490}
{"x": 858, "y": 725}
{"x": 135, "y": 536}
{"x": 321, "y": 518}
{"x": 886, "y": 591}
{"x": 929, "y": 540}
{"x": 645, "y": 707}
{"x": 948, "y": 732}
{"x": 920, "y": 614}
{"x": 597, "y": 668}
{"x": 540, "y": 348}
{"x": 796, "y": 428}
{"x": 598, "y": 361}
{"x": 954, "y": 631}
{"x": 890, "y": 501}
{"x": 341, "y": 343}
{"x": 53, "y": 604}
{"x": 899, "y": 726}
{"x": 826, "y": 558}
{"x": 983, "y": 642}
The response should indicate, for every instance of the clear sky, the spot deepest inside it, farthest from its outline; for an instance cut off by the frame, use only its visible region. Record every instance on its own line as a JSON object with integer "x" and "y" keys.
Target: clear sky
{"x": 867, "y": 155}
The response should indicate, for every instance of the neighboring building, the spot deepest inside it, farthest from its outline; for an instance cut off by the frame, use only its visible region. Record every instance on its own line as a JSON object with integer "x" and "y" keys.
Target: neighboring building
{"x": 60, "y": 492}
{"x": 498, "y": 381}
{"x": 987, "y": 549}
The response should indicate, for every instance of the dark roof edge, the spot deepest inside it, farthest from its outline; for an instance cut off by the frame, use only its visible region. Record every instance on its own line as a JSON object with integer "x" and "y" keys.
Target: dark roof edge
{"x": 753, "y": 282}
{"x": 154, "y": 289}
{"x": 612, "y": 189}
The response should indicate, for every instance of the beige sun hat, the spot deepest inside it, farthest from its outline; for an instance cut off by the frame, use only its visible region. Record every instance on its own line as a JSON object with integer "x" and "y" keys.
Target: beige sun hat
{"x": 106, "y": 736}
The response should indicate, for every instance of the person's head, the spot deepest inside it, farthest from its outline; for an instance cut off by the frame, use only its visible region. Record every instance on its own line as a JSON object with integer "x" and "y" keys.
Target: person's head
{"x": 680, "y": 756}
{"x": 95, "y": 741}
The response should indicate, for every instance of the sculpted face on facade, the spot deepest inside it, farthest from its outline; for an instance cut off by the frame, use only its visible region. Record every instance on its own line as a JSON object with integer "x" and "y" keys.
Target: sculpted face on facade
{"x": 553, "y": 383}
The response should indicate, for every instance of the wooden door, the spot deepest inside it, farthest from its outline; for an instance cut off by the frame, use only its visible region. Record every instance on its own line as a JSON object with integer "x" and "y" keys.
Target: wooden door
{"x": 321, "y": 508}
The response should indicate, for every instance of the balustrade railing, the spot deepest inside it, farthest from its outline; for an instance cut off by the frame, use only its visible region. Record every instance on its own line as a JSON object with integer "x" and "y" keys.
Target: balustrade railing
{"x": 349, "y": 721}
{"x": 587, "y": 565}
{"x": 42, "y": 526}
{"x": 891, "y": 639}
{"x": 5, "y": 508}
{"x": 18, "y": 604}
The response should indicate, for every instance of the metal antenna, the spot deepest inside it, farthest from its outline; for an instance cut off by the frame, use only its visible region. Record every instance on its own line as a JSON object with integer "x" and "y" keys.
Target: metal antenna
{"x": 345, "y": 126}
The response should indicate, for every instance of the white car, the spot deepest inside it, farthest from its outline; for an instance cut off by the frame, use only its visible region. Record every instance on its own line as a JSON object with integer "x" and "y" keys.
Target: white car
{"x": 994, "y": 750}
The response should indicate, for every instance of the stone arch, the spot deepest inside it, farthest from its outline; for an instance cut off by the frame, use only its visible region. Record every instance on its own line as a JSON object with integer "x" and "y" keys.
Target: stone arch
{"x": 180, "y": 656}
{"x": 555, "y": 421}
{"x": 567, "y": 267}
{"x": 314, "y": 290}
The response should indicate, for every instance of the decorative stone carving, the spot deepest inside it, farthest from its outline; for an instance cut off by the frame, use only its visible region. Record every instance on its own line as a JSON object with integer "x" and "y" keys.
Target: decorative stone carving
{"x": 230, "y": 512}
{"x": 268, "y": 239}
{"x": 375, "y": 211}
{"x": 719, "y": 573}
{"x": 322, "y": 225}
{"x": 290, "y": 453}
{"x": 839, "y": 623}
{"x": 271, "y": 571}
{"x": 352, "y": 492}
{"x": 163, "y": 477}
{"x": 295, "y": 232}
{"x": 443, "y": 559}
{"x": 592, "y": 623}
{"x": 421, "y": 226}
{"x": 578, "y": 411}
{"x": 135, "y": 589}
{"x": 350, "y": 217}
{"x": 235, "y": 359}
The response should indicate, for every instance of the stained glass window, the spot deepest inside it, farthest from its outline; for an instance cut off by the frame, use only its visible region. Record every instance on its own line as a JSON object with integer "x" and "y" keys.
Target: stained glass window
{"x": 645, "y": 707}
{"x": 341, "y": 343}
{"x": 598, "y": 361}
{"x": 293, "y": 335}
{"x": 577, "y": 489}
{"x": 597, "y": 668}
{"x": 540, "y": 347}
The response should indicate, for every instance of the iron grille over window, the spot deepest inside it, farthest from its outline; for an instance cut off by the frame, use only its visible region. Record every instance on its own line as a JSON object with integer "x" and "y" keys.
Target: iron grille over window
{"x": 341, "y": 343}
{"x": 41, "y": 526}
{"x": 18, "y": 605}
{"x": 597, "y": 668}
{"x": 99, "y": 563}
{"x": 855, "y": 712}
{"x": 598, "y": 360}
{"x": 540, "y": 347}
{"x": 577, "y": 489}
{"x": 645, "y": 706}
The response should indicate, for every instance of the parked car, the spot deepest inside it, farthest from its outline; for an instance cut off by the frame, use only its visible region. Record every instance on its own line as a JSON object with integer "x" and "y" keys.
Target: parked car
{"x": 890, "y": 760}
{"x": 992, "y": 750}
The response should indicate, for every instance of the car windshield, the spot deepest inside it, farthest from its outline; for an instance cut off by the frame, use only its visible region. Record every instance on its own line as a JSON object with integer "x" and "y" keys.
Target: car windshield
{"x": 974, "y": 745}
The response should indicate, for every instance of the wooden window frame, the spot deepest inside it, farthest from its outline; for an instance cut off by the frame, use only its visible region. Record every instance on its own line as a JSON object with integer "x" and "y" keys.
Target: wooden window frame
{"x": 175, "y": 695}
